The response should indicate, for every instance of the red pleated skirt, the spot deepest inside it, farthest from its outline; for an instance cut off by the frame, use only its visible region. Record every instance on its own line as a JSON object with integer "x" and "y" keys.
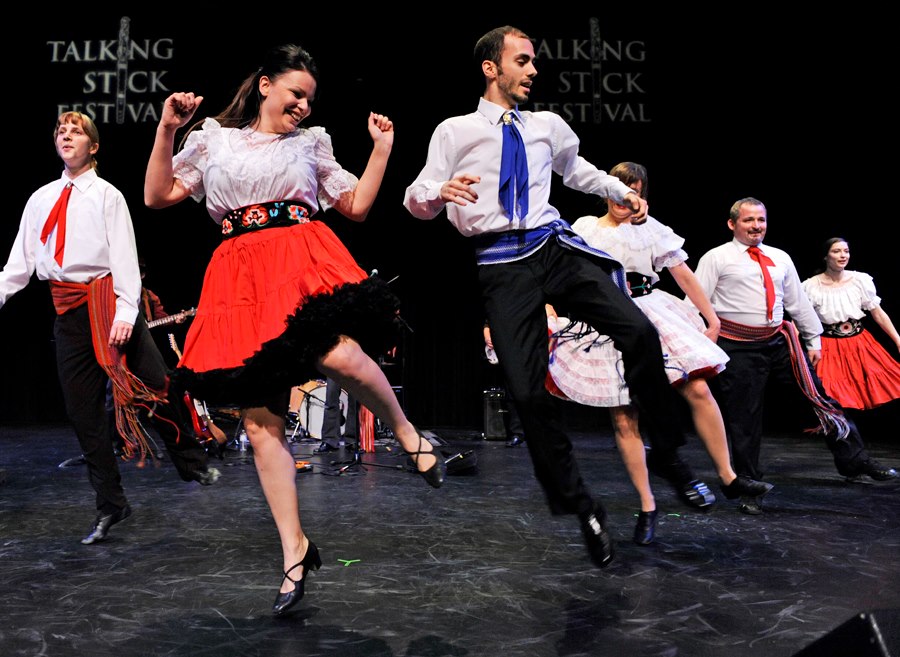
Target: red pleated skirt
{"x": 858, "y": 372}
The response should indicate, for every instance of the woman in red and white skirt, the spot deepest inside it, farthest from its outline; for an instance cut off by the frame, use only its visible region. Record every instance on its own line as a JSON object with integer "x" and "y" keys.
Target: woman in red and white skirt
{"x": 855, "y": 368}
{"x": 283, "y": 301}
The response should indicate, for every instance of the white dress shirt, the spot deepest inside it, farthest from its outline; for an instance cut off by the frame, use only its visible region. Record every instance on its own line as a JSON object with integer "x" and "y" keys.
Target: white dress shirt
{"x": 99, "y": 241}
{"x": 733, "y": 282}
{"x": 473, "y": 144}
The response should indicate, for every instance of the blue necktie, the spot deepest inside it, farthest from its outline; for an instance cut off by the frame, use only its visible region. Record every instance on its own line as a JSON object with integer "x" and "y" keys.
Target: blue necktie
{"x": 513, "y": 170}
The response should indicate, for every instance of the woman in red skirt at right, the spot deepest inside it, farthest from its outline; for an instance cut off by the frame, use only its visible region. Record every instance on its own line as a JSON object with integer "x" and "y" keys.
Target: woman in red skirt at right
{"x": 855, "y": 369}
{"x": 283, "y": 301}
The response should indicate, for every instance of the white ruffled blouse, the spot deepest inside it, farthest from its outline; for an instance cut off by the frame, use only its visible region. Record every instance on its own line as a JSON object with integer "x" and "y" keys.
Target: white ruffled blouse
{"x": 235, "y": 167}
{"x": 647, "y": 248}
{"x": 838, "y": 303}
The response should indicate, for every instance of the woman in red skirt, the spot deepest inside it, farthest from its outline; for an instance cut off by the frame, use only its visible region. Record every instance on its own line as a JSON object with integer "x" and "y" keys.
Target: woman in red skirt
{"x": 855, "y": 369}
{"x": 283, "y": 301}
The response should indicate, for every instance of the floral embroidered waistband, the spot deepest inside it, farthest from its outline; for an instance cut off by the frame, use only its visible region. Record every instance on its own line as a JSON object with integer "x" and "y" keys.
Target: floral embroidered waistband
{"x": 255, "y": 217}
{"x": 639, "y": 284}
{"x": 845, "y": 329}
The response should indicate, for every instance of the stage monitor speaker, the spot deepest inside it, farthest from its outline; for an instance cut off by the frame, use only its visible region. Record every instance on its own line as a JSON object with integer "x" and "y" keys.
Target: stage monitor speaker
{"x": 494, "y": 408}
{"x": 874, "y": 633}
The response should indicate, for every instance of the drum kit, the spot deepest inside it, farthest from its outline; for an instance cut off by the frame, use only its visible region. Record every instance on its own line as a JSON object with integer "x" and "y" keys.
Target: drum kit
{"x": 306, "y": 410}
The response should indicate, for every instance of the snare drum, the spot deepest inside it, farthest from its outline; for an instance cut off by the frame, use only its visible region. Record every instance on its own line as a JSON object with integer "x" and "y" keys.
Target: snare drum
{"x": 308, "y": 404}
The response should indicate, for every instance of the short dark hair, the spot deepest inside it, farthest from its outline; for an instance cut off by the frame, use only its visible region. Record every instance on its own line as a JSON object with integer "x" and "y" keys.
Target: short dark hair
{"x": 490, "y": 46}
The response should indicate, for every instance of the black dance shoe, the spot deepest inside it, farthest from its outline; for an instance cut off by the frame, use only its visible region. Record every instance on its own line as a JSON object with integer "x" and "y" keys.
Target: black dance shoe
{"x": 103, "y": 522}
{"x": 599, "y": 542}
{"x": 516, "y": 440}
{"x": 750, "y": 506}
{"x": 645, "y": 529}
{"x": 311, "y": 561}
{"x": 878, "y": 472}
{"x": 670, "y": 467}
{"x": 436, "y": 473}
{"x": 696, "y": 494}
{"x": 745, "y": 486}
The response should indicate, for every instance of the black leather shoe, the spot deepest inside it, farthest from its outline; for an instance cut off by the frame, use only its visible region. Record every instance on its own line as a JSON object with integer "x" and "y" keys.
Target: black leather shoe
{"x": 696, "y": 494}
{"x": 670, "y": 467}
{"x": 750, "y": 506}
{"x": 599, "y": 542}
{"x": 878, "y": 472}
{"x": 645, "y": 528}
{"x": 516, "y": 440}
{"x": 746, "y": 486}
{"x": 437, "y": 472}
{"x": 311, "y": 561}
{"x": 323, "y": 447}
{"x": 102, "y": 523}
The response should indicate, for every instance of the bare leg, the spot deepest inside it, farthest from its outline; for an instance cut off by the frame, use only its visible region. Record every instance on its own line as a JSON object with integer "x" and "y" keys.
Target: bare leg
{"x": 277, "y": 472}
{"x": 709, "y": 425}
{"x": 631, "y": 448}
{"x": 350, "y": 366}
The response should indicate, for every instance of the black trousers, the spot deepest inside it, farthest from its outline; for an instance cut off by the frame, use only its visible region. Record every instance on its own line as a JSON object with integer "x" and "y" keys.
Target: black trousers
{"x": 514, "y": 295}
{"x": 84, "y": 384}
{"x": 741, "y": 389}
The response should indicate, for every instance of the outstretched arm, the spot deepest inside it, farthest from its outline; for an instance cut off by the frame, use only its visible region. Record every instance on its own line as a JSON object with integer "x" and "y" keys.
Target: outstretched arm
{"x": 356, "y": 204}
{"x": 161, "y": 188}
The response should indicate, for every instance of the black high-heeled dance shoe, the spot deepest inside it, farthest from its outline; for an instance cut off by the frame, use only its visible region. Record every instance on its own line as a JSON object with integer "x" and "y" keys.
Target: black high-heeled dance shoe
{"x": 436, "y": 473}
{"x": 645, "y": 529}
{"x": 311, "y": 561}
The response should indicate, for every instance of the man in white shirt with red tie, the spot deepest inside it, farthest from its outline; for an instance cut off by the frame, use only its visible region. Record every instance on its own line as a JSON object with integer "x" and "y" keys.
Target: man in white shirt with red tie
{"x": 528, "y": 256}
{"x": 752, "y": 287}
{"x": 76, "y": 233}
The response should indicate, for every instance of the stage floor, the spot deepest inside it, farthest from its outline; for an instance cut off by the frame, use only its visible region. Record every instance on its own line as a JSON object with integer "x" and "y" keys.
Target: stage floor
{"x": 476, "y": 568}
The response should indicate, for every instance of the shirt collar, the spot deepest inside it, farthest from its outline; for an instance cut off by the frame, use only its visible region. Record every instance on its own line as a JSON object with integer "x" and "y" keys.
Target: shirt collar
{"x": 741, "y": 247}
{"x": 82, "y": 182}
{"x": 494, "y": 112}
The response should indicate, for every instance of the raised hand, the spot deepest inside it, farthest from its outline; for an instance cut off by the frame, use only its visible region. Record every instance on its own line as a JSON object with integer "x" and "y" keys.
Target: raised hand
{"x": 179, "y": 108}
{"x": 381, "y": 129}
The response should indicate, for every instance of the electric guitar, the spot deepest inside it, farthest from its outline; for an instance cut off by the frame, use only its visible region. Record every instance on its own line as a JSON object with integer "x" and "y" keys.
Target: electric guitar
{"x": 171, "y": 319}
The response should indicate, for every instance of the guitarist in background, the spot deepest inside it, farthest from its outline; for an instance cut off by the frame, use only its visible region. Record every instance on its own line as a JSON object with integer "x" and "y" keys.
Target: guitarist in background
{"x": 76, "y": 233}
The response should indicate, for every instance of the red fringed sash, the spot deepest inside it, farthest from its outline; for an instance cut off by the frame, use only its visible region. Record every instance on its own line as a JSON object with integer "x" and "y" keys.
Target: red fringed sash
{"x": 129, "y": 392}
{"x": 831, "y": 417}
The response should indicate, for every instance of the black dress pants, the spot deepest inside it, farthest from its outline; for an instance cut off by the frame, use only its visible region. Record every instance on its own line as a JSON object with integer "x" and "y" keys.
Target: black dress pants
{"x": 741, "y": 389}
{"x": 514, "y": 295}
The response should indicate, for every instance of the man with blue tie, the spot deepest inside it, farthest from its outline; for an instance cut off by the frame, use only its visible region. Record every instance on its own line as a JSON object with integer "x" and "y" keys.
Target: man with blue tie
{"x": 754, "y": 288}
{"x": 491, "y": 170}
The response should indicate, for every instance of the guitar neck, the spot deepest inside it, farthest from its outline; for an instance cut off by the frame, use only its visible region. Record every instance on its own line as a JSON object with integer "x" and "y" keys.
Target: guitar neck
{"x": 171, "y": 319}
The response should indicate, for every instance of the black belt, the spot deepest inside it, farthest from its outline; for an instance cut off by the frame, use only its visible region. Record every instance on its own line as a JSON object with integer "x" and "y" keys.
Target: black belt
{"x": 845, "y": 329}
{"x": 255, "y": 217}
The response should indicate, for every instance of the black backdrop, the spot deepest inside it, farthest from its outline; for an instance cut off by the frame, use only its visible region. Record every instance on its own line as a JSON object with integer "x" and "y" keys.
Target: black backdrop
{"x": 791, "y": 112}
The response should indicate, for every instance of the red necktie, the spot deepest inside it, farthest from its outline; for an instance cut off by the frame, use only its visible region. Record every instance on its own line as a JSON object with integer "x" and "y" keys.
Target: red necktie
{"x": 764, "y": 263}
{"x": 58, "y": 216}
